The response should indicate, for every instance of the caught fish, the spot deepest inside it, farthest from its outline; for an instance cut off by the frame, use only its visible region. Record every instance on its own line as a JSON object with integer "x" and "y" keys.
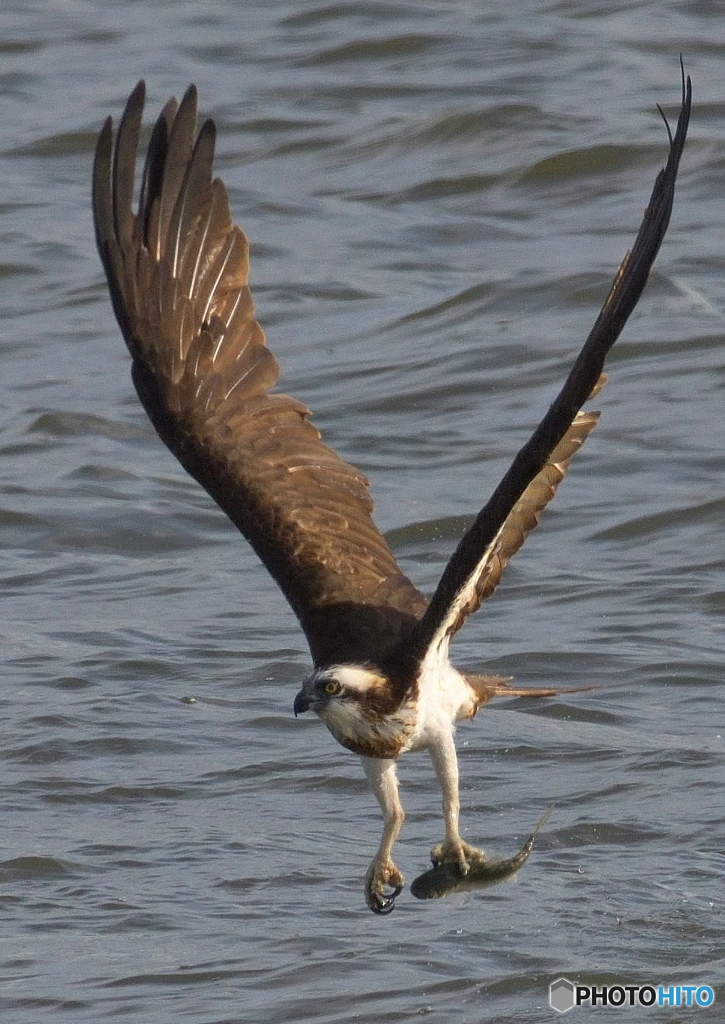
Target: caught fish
{"x": 446, "y": 878}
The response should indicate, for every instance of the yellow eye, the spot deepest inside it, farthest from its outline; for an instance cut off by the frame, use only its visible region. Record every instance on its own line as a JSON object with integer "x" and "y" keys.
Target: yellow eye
{"x": 332, "y": 687}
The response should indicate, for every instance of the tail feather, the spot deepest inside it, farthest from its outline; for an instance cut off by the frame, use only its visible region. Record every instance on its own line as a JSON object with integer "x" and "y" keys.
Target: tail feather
{"x": 486, "y": 687}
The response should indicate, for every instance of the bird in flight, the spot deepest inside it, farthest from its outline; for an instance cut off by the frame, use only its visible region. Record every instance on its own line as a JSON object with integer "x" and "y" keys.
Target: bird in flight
{"x": 381, "y": 681}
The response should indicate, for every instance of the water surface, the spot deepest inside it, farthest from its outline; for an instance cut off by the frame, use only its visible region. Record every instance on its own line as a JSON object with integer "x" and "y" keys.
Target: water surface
{"x": 437, "y": 196}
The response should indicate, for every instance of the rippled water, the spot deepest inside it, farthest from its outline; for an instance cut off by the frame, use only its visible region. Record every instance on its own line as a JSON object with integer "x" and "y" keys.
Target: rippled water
{"x": 437, "y": 195}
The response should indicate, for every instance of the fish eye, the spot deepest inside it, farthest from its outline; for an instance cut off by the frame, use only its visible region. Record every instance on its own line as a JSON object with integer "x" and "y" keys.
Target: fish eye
{"x": 332, "y": 687}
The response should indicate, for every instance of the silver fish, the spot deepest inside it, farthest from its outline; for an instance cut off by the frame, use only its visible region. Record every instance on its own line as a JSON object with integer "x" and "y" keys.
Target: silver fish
{"x": 443, "y": 879}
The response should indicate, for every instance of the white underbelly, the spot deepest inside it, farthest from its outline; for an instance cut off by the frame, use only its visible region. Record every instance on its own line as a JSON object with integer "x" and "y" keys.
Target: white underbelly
{"x": 442, "y": 702}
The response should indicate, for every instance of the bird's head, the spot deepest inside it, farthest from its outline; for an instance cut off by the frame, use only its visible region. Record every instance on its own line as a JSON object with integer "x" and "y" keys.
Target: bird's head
{"x": 329, "y": 691}
{"x": 359, "y": 707}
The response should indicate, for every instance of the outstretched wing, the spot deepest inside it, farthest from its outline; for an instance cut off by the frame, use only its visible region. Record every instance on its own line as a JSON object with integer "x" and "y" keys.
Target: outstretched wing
{"x": 177, "y": 272}
{"x": 501, "y": 527}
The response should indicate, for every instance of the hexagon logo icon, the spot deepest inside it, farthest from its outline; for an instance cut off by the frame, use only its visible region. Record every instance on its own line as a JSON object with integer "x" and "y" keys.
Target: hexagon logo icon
{"x": 561, "y": 995}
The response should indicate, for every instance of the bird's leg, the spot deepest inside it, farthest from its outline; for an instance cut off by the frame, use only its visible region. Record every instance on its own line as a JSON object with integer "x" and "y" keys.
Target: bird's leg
{"x": 453, "y": 848}
{"x": 382, "y": 871}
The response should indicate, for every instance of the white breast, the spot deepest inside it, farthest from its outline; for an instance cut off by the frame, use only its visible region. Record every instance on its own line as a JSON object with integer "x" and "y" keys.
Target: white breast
{"x": 444, "y": 697}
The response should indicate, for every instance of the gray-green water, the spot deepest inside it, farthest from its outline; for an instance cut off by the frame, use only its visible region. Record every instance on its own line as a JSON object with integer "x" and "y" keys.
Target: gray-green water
{"x": 437, "y": 195}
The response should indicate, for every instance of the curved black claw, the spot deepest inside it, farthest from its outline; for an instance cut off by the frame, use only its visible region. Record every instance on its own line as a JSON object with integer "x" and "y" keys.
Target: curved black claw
{"x": 380, "y": 904}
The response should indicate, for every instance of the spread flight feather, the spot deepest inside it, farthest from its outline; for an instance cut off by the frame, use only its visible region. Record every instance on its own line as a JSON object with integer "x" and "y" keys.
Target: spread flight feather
{"x": 178, "y": 275}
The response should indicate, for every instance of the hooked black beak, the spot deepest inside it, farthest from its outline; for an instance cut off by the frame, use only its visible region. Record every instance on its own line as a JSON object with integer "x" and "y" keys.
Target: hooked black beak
{"x": 302, "y": 703}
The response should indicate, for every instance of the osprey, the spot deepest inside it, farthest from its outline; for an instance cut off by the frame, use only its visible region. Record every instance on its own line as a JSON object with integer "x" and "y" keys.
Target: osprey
{"x": 382, "y": 681}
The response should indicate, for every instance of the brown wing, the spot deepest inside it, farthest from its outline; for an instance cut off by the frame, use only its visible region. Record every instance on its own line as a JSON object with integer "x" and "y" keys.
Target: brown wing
{"x": 525, "y": 514}
{"x": 177, "y": 272}
{"x": 501, "y": 527}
